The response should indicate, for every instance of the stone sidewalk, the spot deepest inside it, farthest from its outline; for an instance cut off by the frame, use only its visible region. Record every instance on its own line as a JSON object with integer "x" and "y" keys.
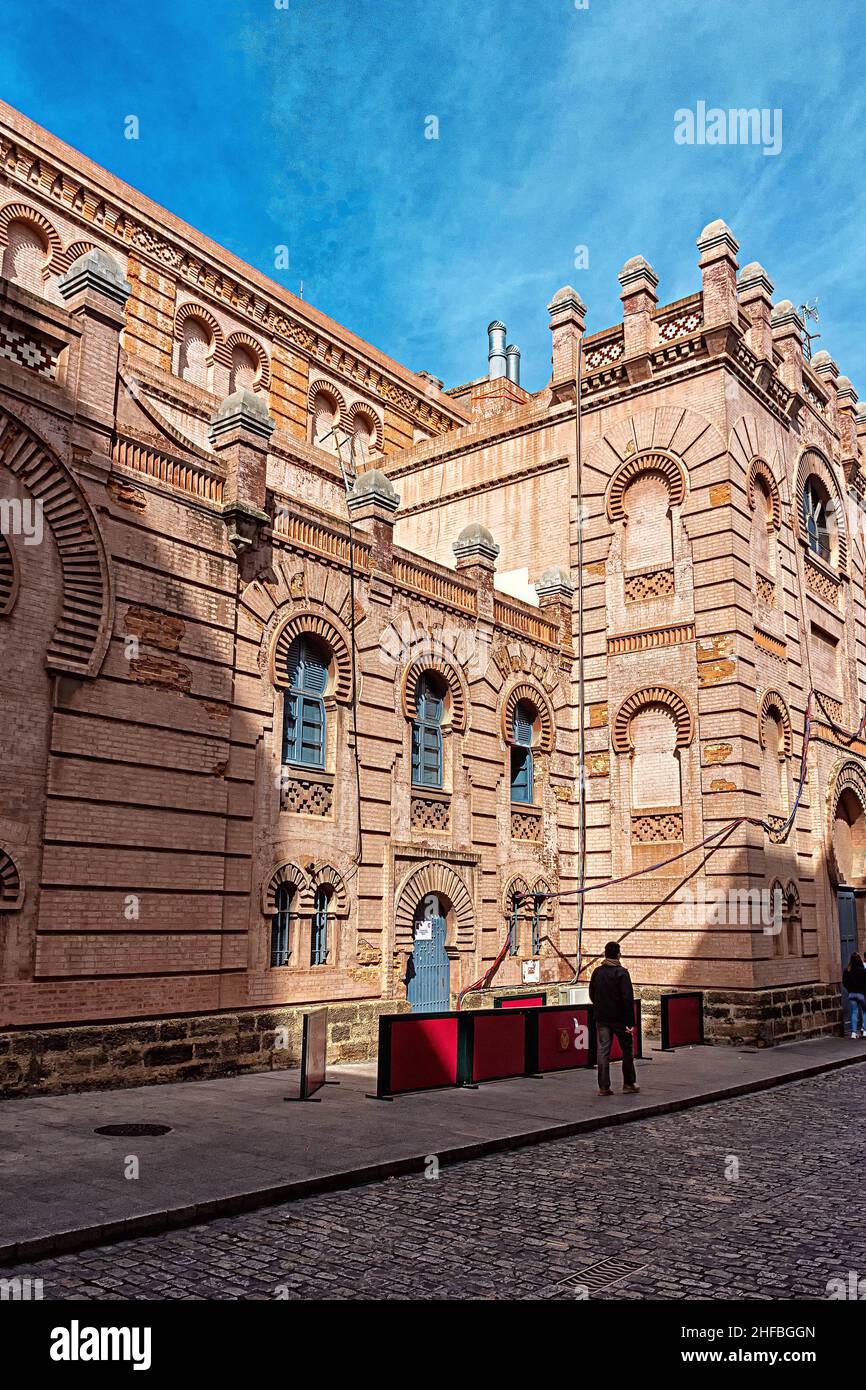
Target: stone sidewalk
{"x": 236, "y": 1144}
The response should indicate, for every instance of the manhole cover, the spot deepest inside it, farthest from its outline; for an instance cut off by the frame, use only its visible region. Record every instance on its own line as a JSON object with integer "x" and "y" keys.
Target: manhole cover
{"x": 604, "y": 1272}
{"x": 132, "y": 1131}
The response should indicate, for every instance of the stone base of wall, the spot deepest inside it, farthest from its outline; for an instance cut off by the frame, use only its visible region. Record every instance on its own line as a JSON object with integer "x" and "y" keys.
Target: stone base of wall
{"x": 50, "y": 1061}
{"x": 757, "y": 1017}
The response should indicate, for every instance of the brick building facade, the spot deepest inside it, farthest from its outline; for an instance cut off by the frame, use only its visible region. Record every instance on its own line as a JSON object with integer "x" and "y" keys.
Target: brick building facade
{"x": 290, "y": 643}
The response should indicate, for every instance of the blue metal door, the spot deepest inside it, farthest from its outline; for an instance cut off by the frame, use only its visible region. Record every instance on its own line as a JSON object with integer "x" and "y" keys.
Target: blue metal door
{"x": 847, "y": 934}
{"x": 429, "y": 974}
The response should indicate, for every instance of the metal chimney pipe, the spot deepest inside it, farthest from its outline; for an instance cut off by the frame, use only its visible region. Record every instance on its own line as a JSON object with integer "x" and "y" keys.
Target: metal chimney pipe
{"x": 512, "y": 364}
{"x": 496, "y": 361}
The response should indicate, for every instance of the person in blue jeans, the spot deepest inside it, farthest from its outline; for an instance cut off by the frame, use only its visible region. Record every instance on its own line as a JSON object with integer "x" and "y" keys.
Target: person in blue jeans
{"x": 854, "y": 980}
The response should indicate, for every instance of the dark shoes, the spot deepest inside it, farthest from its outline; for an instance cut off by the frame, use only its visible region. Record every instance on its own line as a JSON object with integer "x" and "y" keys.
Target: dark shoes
{"x": 630, "y": 1090}
{"x": 604, "y": 1093}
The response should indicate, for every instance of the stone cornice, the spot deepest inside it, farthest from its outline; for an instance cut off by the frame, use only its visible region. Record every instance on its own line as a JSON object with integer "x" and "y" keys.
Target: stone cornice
{"x": 56, "y": 175}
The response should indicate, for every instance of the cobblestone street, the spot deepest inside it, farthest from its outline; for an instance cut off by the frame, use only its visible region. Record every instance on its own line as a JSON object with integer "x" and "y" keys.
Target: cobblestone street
{"x": 519, "y": 1225}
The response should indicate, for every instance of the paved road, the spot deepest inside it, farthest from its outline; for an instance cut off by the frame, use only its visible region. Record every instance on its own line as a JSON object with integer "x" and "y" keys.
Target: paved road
{"x": 751, "y": 1198}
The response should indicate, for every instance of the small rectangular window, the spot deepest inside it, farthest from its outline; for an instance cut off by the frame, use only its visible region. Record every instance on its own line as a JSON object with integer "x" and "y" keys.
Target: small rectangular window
{"x": 521, "y": 774}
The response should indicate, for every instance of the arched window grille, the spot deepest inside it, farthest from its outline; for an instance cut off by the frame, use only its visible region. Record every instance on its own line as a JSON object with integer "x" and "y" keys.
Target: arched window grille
{"x": 427, "y": 732}
{"x": 816, "y": 518}
{"x": 304, "y": 717}
{"x": 522, "y": 773}
{"x": 319, "y": 934}
{"x": 281, "y": 925}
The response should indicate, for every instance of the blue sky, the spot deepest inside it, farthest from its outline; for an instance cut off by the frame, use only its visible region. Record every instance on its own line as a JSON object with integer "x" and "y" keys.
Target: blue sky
{"x": 304, "y": 126}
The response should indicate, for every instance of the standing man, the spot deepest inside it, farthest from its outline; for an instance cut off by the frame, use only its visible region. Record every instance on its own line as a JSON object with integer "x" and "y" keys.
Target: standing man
{"x": 611, "y": 993}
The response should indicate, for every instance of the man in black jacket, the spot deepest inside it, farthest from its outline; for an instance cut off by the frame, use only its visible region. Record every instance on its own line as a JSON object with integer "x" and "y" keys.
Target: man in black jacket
{"x": 613, "y": 997}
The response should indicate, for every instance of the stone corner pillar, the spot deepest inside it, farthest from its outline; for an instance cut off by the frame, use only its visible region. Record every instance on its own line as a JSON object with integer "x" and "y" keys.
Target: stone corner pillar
{"x": 718, "y": 266}
{"x": 475, "y": 551}
{"x": 239, "y": 434}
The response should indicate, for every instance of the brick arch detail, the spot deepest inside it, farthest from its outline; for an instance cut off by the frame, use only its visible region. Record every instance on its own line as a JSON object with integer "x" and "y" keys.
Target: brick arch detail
{"x": 772, "y": 699}
{"x": 284, "y": 872}
{"x": 80, "y": 639}
{"x": 535, "y": 696}
{"x": 8, "y": 577}
{"x": 651, "y": 695}
{"x": 759, "y": 468}
{"x": 367, "y": 411}
{"x": 253, "y": 346}
{"x": 22, "y": 212}
{"x": 191, "y": 310}
{"x": 308, "y": 622}
{"x": 516, "y": 884}
{"x": 456, "y": 716}
{"x": 326, "y": 876}
{"x": 329, "y": 389}
{"x": 849, "y": 776}
{"x": 11, "y": 883}
{"x": 652, "y": 461}
{"x": 435, "y": 877}
{"x": 813, "y": 462}
{"x": 520, "y": 884}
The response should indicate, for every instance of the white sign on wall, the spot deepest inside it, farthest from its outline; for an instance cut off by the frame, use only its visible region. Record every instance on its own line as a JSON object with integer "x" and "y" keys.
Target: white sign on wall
{"x": 531, "y": 972}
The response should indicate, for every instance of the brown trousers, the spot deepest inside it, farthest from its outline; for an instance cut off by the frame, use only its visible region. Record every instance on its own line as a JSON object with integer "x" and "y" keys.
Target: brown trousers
{"x": 604, "y": 1038}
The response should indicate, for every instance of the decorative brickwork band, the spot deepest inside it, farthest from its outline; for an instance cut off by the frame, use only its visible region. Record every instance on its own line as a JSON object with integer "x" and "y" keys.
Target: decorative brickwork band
{"x": 445, "y": 882}
{"x": 534, "y": 696}
{"x": 826, "y": 586}
{"x": 455, "y": 708}
{"x": 430, "y": 813}
{"x": 648, "y": 584}
{"x": 670, "y": 468}
{"x": 758, "y": 468}
{"x": 651, "y": 695}
{"x": 773, "y": 702}
{"x": 308, "y": 796}
{"x": 314, "y": 625}
{"x": 657, "y": 828}
{"x": 11, "y": 883}
{"x": 80, "y": 639}
{"x": 525, "y": 825}
{"x": 8, "y": 578}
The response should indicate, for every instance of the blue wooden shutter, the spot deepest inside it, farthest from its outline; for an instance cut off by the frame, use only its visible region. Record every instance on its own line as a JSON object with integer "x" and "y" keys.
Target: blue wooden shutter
{"x": 427, "y": 736}
{"x": 304, "y": 718}
{"x": 521, "y": 754}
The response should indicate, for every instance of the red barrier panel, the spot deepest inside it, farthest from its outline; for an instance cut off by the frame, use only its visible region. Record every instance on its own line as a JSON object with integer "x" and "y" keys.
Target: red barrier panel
{"x": 417, "y": 1052}
{"x": 682, "y": 1019}
{"x": 520, "y": 1001}
{"x": 563, "y": 1037}
{"x": 496, "y": 1046}
{"x": 637, "y": 1035}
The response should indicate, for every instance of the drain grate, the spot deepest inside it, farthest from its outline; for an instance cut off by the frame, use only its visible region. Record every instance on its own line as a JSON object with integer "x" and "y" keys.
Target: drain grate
{"x": 132, "y": 1131}
{"x": 602, "y": 1273}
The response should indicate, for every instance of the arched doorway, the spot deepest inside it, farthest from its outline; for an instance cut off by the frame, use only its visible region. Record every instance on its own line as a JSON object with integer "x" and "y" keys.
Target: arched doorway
{"x": 848, "y": 834}
{"x": 428, "y": 975}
